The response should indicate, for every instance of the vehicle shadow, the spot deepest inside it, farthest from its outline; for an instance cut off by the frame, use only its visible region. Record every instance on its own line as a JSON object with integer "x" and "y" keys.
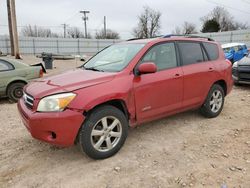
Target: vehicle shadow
{"x": 135, "y": 137}
{"x": 243, "y": 87}
{"x": 5, "y": 100}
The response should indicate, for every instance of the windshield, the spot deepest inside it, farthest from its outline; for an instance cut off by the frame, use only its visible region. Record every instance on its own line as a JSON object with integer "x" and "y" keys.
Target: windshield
{"x": 114, "y": 58}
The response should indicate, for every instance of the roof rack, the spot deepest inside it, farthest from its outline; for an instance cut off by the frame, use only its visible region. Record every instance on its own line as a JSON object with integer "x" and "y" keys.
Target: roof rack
{"x": 187, "y": 36}
{"x": 134, "y": 39}
{"x": 145, "y": 38}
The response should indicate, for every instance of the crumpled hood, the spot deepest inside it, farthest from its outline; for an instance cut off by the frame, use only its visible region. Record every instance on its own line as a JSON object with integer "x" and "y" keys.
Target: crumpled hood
{"x": 67, "y": 82}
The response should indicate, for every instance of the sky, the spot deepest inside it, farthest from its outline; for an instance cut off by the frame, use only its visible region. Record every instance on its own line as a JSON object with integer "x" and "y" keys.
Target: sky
{"x": 122, "y": 15}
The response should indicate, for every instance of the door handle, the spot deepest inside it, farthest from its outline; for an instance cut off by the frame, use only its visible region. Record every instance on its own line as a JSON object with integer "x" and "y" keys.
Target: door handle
{"x": 211, "y": 69}
{"x": 177, "y": 75}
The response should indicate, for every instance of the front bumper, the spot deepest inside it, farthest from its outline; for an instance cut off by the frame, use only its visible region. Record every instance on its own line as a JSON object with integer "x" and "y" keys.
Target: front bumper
{"x": 241, "y": 74}
{"x": 58, "y": 128}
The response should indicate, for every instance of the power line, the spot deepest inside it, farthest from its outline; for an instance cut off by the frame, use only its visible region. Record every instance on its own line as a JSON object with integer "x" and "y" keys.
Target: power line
{"x": 71, "y": 17}
{"x": 64, "y": 29}
{"x": 220, "y": 4}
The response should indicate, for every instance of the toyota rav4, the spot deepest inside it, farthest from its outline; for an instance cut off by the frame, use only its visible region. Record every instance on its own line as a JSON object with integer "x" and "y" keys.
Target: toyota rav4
{"x": 125, "y": 85}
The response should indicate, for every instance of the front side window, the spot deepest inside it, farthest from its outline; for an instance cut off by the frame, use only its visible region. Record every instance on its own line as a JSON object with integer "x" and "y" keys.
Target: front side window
{"x": 190, "y": 52}
{"x": 4, "y": 66}
{"x": 163, "y": 55}
{"x": 114, "y": 58}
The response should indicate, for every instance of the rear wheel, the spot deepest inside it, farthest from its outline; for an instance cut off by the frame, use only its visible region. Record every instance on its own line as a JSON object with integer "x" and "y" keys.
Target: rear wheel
{"x": 103, "y": 132}
{"x": 214, "y": 102}
{"x": 15, "y": 91}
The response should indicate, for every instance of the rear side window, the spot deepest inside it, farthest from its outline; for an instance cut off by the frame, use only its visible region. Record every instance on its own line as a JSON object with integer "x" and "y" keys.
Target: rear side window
{"x": 212, "y": 50}
{"x": 5, "y": 66}
{"x": 190, "y": 52}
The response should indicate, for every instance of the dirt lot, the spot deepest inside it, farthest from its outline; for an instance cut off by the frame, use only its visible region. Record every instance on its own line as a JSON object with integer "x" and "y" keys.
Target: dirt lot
{"x": 185, "y": 150}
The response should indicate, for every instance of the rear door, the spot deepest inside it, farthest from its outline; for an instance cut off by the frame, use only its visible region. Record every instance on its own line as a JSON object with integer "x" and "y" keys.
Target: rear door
{"x": 159, "y": 93}
{"x": 198, "y": 72}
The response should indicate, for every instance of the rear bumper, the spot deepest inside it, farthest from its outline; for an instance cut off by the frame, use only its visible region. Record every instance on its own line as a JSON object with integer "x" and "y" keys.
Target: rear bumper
{"x": 58, "y": 128}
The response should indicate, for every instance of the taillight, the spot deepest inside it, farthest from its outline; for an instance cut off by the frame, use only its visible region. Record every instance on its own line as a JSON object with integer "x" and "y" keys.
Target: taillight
{"x": 41, "y": 73}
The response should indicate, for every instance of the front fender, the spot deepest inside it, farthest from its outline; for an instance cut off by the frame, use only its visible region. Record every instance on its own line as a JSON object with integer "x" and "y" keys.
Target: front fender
{"x": 88, "y": 98}
{"x": 16, "y": 79}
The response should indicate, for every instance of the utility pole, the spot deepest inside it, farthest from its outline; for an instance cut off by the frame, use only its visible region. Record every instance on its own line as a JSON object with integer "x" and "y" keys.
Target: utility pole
{"x": 85, "y": 18}
{"x": 105, "y": 28}
{"x": 13, "y": 28}
{"x": 64, "y": 29}
{"x": 10, "y": 27}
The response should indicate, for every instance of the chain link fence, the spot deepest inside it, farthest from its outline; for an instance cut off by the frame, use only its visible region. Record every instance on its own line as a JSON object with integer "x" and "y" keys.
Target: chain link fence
{"x": 241, "y": 36}
{"x": 31, "y": 45}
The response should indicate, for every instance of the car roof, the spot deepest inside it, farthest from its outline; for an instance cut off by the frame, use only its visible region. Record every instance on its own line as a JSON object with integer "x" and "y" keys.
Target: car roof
{"x": 229, "y": 45}
{"x": 14, "y": 62}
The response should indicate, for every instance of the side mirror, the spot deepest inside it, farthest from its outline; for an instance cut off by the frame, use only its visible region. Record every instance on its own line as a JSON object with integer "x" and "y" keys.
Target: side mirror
{"x": 147, "y": 67}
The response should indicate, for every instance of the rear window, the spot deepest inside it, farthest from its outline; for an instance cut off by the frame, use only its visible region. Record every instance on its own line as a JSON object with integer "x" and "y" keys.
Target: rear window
{"x": 4, "y": 66}
{"x": 212, "y": 50}
{"x": 190, "y": 52}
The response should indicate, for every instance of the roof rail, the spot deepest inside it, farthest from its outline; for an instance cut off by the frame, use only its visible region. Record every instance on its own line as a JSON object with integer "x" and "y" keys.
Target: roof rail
{"x": 188, "y": 36}
{"x": 134, "y": 39}
{"x": 145, "y": 38}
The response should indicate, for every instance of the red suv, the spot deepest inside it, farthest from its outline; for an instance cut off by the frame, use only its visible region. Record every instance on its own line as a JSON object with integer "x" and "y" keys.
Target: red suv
{"x": 125, "y": 85}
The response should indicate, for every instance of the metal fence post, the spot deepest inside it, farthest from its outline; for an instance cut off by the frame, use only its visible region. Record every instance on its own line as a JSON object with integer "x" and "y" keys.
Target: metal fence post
{"x": 231, "y": 37}
{"x": 78, "y": 46}
{"x": 34, "y": 47}
{"x": 98, "y": 45}
{"x": 7, "y": 45}
{"x": 57, "y": 46}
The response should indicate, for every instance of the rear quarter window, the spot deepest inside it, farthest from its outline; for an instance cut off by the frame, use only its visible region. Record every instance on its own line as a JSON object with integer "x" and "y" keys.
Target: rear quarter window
{"x": 212, "y": 50}
{"x": 5, "y": 66}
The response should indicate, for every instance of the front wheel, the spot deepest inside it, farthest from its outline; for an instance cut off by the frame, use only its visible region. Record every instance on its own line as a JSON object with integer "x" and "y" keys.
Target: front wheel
{"x": 103, "y": 132}
{"x": 214, "y": 102}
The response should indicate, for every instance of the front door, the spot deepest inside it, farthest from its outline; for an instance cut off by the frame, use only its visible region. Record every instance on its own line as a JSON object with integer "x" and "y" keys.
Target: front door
{"x": 159, "y": 93}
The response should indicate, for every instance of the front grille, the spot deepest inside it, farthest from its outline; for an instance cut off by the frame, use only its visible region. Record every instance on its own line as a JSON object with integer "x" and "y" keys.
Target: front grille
{"x": 28, "y": 100}
{"x": 245, "y": 76}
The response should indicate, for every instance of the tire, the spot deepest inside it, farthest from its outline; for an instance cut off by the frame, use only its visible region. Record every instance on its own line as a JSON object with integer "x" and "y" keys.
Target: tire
{"x": 15, "y": 91}
{"x": 103, "y": 132}
{"x": 214, "y": 102}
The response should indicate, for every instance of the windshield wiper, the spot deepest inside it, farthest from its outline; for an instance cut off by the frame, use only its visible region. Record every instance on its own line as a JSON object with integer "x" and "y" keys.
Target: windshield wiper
{"x": 93, "y": 69}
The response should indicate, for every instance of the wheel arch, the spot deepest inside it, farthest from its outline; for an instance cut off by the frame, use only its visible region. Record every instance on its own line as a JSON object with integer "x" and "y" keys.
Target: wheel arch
{"x": 15, "y": 81}
{"x": 118, "y": 103}
{"x": 223, "y": 84}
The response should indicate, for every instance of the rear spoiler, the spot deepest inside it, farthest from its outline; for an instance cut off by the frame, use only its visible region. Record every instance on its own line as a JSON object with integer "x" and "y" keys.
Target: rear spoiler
{"x": 40, "y": 65}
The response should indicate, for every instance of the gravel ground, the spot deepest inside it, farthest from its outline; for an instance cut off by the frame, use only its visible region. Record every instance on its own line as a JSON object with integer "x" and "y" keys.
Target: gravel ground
{"x": 185, "y": 150}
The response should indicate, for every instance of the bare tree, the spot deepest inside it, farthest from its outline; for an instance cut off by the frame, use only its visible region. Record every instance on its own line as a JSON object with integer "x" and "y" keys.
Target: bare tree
{"x": 149, "y": 24}
{"x": 224, "y": 18}
{"x": 74, "y": 32}
{"x": 110, "y": 34}
{"x": 187, "y": 28}
{"x": 35, "y": 31}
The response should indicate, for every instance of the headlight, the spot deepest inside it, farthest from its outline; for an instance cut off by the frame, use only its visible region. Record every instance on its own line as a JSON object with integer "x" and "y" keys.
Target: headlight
{"x": 235, "y": 65}
{"x": 55, "y": 103}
